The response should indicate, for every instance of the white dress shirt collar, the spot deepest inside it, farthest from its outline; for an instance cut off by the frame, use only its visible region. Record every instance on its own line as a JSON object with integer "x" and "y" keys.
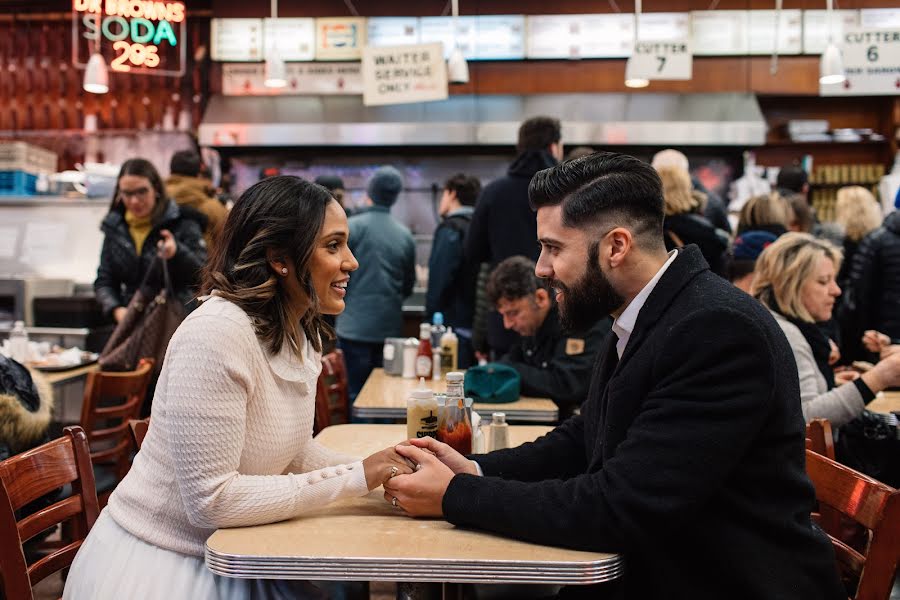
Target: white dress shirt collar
{"x": 624, "y": 323}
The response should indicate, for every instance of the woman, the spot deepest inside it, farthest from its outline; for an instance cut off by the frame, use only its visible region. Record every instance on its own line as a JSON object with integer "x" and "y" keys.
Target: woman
{"x": 141, "y": 222}
{"x": 230, "y": 442}
{"x": 685, "y": 224}
{"x": 857, "y": 212}
{"x": 769, "y": 212}
{"x": 795, "y": 280}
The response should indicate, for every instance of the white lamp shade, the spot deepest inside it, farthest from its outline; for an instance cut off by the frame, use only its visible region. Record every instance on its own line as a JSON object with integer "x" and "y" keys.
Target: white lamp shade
{"x": 632, "y": 78}
{"x": 457, "y": 67}
{"x": 276, "y": 75}
{"x": 96, "y": 77}
{"x": 831, "y": 65}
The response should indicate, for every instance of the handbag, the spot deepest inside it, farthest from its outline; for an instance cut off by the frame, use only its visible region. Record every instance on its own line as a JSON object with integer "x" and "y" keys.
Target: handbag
{"x": 152, "y": 316}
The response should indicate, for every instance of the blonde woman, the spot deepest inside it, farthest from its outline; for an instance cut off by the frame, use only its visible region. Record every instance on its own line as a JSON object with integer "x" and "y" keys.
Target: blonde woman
{"x": 768, "y": 212}
{"x": 685, "y": 224}
{"x": 795, "y": 280}
{"x": 857, "y": 212}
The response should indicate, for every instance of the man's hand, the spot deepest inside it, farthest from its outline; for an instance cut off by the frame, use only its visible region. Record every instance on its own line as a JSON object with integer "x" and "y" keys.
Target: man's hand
{"x": 447, "y": 455}
{"x": 875, "y": 341}
{"x": 422, "y": 493}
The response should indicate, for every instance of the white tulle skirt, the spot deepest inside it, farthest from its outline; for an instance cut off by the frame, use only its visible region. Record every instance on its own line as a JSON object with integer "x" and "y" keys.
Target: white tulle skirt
{"x": 113, "y": 564}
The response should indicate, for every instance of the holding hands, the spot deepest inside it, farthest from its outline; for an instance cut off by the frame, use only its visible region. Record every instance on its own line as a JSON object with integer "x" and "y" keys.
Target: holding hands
{"x": 381, "y": 466}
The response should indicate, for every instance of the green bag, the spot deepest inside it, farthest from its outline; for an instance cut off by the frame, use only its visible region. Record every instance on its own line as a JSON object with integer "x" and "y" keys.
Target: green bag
{"x": 493, "y": 383}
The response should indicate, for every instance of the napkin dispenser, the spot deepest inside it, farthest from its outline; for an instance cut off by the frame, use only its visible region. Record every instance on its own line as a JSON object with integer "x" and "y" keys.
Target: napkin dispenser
{"x": 392, "y": 356}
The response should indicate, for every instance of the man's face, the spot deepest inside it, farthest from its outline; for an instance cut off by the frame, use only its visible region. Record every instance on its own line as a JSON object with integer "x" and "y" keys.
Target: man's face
{"x": 570, "y": 260}
{"x": 522, "y": 315}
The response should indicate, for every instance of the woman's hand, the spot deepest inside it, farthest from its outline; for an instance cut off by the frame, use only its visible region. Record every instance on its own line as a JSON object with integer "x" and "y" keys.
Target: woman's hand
{"x": 167, "y": 246}
{"x": 884, "y": 375}
{"x": 835, "y": 354}
{"x": 875, "y": 341}
{"x": 842, "y": 377}
{"x": 118, "y": 313}
{"x": 383, "y": 465}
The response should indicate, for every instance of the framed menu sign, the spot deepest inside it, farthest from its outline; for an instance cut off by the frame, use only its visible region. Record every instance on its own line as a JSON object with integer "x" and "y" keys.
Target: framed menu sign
{"x": 817, "y": 27}
{"x": 763, "y": 27}
{"x": 665, "y": 27}
{"x": 296, "y": 38}
{"x": 500, "y": 37}
{"x": 340, "y": 38}
{"x": 440, "y": 30}
{"x": 237, "y": 40}
{"x": 580, "y": 36}
{"x": 392, "y": 31}
{"x": 720, "y": 32}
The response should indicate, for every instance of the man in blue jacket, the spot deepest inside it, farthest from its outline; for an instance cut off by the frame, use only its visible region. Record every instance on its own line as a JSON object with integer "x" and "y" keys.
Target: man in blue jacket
{"x": 387, "y": 271}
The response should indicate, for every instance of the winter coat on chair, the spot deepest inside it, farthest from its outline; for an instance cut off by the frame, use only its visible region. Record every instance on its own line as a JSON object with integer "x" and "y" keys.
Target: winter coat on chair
{"x": 26, "y": 405}
{"x": 122, "y": 268}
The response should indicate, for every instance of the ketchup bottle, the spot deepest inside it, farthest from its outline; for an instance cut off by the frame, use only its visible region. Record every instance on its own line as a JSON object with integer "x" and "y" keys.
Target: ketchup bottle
{"x": 424, "y": 358}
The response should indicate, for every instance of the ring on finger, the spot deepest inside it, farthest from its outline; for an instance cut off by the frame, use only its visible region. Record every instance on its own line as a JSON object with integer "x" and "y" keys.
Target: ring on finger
{"x": 418, "y": 466}
{"x": 394, "y": 472}
{"x": 394, "y": 502}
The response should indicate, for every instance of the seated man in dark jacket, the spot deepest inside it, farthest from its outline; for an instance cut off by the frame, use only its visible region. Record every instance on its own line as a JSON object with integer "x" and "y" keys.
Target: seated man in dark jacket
{"x": 553, "y": 362}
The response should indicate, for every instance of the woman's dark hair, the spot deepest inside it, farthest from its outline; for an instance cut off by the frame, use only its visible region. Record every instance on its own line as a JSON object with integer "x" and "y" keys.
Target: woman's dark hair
{"x": 286, "y": 214}
{"x": 142, "y": 167}
{"x": 605, "y": 186}
{"x": 466, "y": 188}
{"x": 512, "y": 279}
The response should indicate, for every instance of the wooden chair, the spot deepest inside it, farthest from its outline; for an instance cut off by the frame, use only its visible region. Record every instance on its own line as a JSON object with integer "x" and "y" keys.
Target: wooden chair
{"x": 332, "y": 396}
{"x": 873, "y": 505}
{"x": 818, "y": 432}
{"x": 25, "y": 478}
{"x": 139, "y": 429}
{"x": 111, "y": 400}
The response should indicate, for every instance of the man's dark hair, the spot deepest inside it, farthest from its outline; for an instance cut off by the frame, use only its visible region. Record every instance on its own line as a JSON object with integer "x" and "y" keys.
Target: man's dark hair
{"x": 466, "y": 188}
{"x": 512, "y": 279}
{"x": 791, "y": 179}
{"x": 605, "y": 187}
{"x": 537, "y": 133}
{"x": 185, "y": 162}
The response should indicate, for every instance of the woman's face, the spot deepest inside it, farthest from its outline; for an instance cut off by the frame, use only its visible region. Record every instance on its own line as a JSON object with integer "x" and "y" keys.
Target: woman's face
{"x": 332, "y": 261}
{"x": 137, "y": 194}
{"x": 820, "y": 289}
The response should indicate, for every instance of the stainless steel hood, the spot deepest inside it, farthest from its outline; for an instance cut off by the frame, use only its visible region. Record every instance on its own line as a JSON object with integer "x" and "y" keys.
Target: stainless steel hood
{"x": 589, "y": 119}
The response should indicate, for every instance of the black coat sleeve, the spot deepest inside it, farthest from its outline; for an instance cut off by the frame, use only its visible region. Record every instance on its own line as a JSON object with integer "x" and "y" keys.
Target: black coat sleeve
{"x": 190, "y": 255}
{"x": 107, "y": 287}
{"x": 695, "y": 425}
{"x": 478, "y": 249}
{"x": 443, "y": 267}
{"x": 859, "y": 297}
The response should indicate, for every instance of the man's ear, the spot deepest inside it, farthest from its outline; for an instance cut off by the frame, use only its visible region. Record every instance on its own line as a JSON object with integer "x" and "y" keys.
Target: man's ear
{"x": 277, "y": 262}
{"x": 616, "y": 246}
{"x": 542, "y": 298}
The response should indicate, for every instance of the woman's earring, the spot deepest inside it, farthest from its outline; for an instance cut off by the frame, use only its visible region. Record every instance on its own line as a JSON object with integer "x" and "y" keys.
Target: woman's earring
{"x": 284, "y": 270}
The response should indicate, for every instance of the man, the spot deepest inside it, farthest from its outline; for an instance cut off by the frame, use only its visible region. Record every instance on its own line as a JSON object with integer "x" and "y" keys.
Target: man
{"x": 188, "y": 189}
{"x": 688, "y": 455}
{"x": 552, "y": 362}
{"x": 503, "y": 224}
{"x": 792, "y": 180}
{"x": 714, "y": 209}
{"x": 746, "y": 249}
{"x": 451, "y": 278}
{"x": 335, "y": 185}
{"x": 375, "y": 294}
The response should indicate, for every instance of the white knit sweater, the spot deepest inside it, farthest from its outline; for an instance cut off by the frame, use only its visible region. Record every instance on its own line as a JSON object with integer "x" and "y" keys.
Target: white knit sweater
{"x": 230, "y": 441}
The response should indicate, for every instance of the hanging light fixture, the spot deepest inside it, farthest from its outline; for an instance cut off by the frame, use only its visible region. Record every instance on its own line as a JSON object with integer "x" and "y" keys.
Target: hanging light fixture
{"x": 632, "y": 78}
{"x": 96, "y": 76}
{"x": 457, "y": 67}
{"x": 831, "y": 64}
{"x": 276, "y": 73}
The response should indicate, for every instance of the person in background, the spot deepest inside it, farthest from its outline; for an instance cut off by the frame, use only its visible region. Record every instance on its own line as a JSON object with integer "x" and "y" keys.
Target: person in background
{"x": 858, "y": 214}
{"x": 553, "y": 360}
{"x": 579, "y": 151}
{"x": 385, "y": 279}
{"x": 714, "y": 207}
{"x": 503, "y": 225}
{"x": 190, "y": 190}
{"x": 792, "y": 180}
{"x": 685, "y": 223}
{"x": 768, "y": 212}
{"x": 796, "y": 280}
{"x": 452, "y": 279}
{"x": 803, "y": 216}
{"x": 335, "y": 185}
{"x": 230, "y": 443}
{"x": 872, "y": 295}
{"x": 744, "y": 252}
{"x": 142, "y": 221}
{"x": 688, "y": 456}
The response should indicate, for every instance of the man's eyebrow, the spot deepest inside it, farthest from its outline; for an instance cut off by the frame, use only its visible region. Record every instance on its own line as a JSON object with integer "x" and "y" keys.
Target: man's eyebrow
{"x": 548, "y": 241}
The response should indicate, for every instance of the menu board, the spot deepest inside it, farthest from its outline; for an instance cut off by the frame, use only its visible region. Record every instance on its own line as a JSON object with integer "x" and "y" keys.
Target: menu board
{"x": 237, "y": 40}
{"x": 334, "y": 78}
{"x": 720, "y": 32}
{"x": 879, "y": 18}
{"x": 500, "y": 37}
{"x": 664, "y": 27}
{"x": 296, "y": 38}
{"x": 580, "y": 36}
{"x": 340, "y": 38}
{"x": 816, "y": 28}
{"x": 393, "y": 31}
{"x": 762, "y": 31}
{"x": 440, "y": 29}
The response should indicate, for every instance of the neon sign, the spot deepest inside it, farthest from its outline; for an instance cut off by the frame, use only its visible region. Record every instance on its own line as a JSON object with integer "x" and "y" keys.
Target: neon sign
{"x": 146, "y": 35}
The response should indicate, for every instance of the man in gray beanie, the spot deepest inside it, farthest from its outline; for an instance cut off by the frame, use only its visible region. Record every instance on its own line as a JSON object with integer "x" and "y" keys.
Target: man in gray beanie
{"x": 387, "y": 271}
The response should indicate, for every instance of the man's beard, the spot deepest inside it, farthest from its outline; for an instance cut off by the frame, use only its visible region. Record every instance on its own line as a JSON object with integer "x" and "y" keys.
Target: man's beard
{"x": 591, "y": 298}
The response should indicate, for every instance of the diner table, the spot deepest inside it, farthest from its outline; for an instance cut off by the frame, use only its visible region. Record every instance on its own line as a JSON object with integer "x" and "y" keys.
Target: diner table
{"x": 366, "y": 539}
{"x": 885, "y": 402}
{"x": 384, "y": 397}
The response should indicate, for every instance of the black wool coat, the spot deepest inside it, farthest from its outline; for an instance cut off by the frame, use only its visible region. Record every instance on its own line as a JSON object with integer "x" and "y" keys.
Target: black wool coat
{"x": 688, "y": 457}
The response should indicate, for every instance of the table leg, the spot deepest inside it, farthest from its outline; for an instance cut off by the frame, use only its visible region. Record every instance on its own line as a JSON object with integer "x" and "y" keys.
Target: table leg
{"x": 410, "y": 590}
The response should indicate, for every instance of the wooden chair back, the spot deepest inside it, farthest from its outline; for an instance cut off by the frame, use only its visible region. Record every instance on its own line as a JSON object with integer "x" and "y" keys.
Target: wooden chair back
{"x": 25, "y": 478}
{"x": 332, "y": 395}
{"x": 111, "y": 400}
{"x": 818, "y": 432}
{"x": 139, "y": 429}
{"x": 873, "y": 505}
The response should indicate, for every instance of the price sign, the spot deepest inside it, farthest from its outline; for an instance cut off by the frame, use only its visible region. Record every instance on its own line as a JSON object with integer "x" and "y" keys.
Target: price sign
{"x": 664, "y": 27}
{"x": 765, "y": 24}
{"x": 817, "y": 28}
{"x": 580, "y": 36}
{"x": 879, "y": 18}
{"x": 319, "y": 78}
{"x": 871, "y": 63}
{"x": 237, "y": 40}
{"x": 393, "y": 31}
{"x": 440, "y": 30}
{"x": 500, "y": 37}
{"x": 662, "y": 60}
{"x": 720, "y": 32}
{"x": 294, "y": 38}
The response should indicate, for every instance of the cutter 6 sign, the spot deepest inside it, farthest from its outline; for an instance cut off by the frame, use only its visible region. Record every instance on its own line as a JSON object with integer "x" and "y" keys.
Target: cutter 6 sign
{"x": 136, "y": 36}
{"x": 871, "y": 64}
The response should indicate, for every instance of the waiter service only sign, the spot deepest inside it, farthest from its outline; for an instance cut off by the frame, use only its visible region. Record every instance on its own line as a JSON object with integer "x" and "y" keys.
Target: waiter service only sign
{"x": 402, "y": 74}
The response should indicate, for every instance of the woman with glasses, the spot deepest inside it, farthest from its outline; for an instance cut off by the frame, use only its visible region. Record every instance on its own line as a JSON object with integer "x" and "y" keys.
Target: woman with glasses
{"x": 142, "y": 222}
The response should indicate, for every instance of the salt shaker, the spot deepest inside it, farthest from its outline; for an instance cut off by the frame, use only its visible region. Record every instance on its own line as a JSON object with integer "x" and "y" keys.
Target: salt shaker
{"x": 499, "y": 432}
{"x": 410, "y": 350}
